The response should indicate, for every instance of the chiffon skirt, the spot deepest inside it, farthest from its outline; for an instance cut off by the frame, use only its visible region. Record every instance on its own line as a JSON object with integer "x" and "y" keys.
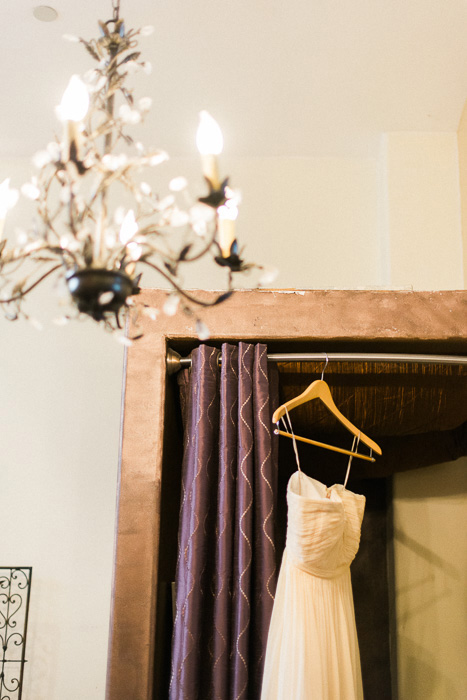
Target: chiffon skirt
{"x": 312, "y": 649}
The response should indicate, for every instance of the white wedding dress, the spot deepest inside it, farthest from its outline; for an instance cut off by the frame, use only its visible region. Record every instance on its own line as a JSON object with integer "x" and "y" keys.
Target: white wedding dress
{"x": 312, "y": 648}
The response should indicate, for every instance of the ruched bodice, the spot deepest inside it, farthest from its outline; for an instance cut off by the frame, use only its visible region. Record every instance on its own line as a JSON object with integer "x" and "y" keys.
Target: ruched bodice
{"x": 312, "y": 650}
{"x": 323, "y": 532}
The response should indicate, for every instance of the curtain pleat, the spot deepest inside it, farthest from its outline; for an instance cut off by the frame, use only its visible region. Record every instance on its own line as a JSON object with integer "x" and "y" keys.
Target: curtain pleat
{"x": 226, "y": 571}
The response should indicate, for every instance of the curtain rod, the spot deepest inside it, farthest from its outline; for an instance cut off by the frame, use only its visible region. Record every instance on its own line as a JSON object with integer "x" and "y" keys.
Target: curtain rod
{"x": 175, "y": 362}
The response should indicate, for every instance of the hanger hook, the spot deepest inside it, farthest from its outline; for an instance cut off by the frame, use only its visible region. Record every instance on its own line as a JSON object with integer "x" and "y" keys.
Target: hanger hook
{"x": 327, "y": 362}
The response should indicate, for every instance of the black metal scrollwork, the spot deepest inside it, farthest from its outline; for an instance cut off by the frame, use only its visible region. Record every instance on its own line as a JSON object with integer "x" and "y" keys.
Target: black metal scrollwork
{"x": 15, "y": 588}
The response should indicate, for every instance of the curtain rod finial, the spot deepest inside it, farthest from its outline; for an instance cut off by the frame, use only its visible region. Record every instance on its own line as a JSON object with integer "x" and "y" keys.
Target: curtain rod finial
{"x": 173, "y": 361}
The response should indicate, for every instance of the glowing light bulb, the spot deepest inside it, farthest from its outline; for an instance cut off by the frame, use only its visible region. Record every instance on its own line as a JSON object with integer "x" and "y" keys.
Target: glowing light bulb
{"x": 209, "y": 138}
{"x": 8, "y": 199}
{"x": 129, "y": 227}
{"x": 75, "y": 101}
{"x": 227, "y": 214}
{"x": 210, "y": 143}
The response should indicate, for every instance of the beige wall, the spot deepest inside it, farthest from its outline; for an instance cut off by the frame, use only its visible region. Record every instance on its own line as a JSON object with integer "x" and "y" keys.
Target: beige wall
{"x": 324, "y": 223}
{"x": 425, "y": 240}
{"x": 462, "y": 148}
{"x": 430, "y": 542}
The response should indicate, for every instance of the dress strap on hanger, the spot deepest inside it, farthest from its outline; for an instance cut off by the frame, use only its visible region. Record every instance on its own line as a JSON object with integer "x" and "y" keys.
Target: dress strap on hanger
{"x": 325, "y": 366}
{"x": 290, "y": 429}
{"x": 354, "y": 449}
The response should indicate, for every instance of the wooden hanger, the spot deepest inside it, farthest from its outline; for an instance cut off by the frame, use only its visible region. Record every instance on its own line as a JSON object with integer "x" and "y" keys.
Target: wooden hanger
{"x": 320, "y": 390}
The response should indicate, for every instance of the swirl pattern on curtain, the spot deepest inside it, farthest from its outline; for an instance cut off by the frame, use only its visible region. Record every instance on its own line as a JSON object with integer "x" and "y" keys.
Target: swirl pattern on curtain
{"x": 226, "y": 571}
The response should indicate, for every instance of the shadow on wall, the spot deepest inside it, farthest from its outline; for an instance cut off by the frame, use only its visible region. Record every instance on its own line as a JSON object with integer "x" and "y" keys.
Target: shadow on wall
{"x": 427, "y": 555}
{"x": 419, "y": 672}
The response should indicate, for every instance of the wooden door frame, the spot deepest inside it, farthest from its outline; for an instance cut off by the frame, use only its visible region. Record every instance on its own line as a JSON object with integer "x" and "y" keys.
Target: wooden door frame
{"x": 318, "y": 320}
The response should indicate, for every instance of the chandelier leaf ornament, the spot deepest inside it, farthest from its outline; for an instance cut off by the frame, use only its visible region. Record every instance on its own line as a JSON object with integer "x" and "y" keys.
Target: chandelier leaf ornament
{"x": 98, "y": 250}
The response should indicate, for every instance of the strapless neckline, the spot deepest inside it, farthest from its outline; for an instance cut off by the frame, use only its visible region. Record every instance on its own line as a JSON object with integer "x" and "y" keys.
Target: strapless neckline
{"x": 323, "y": 492}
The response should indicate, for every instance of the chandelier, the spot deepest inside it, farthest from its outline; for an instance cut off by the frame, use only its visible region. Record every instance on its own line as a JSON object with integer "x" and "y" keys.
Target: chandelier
{"x": 97, "y": 250}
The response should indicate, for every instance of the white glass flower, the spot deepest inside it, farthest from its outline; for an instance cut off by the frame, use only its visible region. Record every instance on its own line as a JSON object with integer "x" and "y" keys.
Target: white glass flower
{"x": 110, "y": 238}
{"x": 171, "y": 305}
{"x": 99, "y": 84}
{"x": 134, "y": 250}
{"x": 158, "y": 158}
{"x": 105, "y": 298}
{"x": 129, "y": 115}
{"x": 178, "y": 217}
{"x": 119, "y": 215}
{"x": 30, "y": 190}
{"x": 127, "y": 342}
{"x": 145, "y": 188}
{"x": 145, "y": 104}
{"x": 113, "y": 161}
{"x": 132, "y": 67}
{"x": 36, "y": 324}
{"x": 53, "y": 149}
{"x": 268, "y": 275}
{"x": 41, "y": 159}
{"x": 178, "y": 184}
{"x": 150, "y": 312}
{"x": 22, "y": 237}
{"x": 166, "y": 202}
{"x": 202, "y": 331}
{"x": 201, "y": 212}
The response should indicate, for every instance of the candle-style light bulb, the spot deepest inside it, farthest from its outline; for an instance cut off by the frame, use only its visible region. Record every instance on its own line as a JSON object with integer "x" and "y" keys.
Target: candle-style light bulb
{"x": 72, "y": 110}
{"x": 129, "y": 227}
{"x": 8, "y": 199}
{"x": 210, "y": 143}
{"x": 75, "y": 101}
{"x": 227, "y": 214}
{"x": 209, "y": 138}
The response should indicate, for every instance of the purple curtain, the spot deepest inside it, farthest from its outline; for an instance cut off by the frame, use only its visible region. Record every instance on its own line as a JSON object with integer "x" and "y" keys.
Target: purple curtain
{"x": 226, "y": 571}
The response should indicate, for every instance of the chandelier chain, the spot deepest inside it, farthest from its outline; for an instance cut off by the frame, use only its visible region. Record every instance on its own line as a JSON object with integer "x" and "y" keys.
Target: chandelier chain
{"x": 116, "y": 9}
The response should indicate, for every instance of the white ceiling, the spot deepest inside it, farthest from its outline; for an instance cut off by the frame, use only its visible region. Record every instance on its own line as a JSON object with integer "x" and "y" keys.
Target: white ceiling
{"x": 283, "y": 78}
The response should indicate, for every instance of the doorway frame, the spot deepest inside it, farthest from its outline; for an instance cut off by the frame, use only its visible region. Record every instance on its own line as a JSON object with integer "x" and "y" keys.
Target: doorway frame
{"x": 315, "y": 319}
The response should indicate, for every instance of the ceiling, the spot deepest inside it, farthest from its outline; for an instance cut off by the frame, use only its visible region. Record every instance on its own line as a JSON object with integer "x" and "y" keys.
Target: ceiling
{"x": 292, "y": 78}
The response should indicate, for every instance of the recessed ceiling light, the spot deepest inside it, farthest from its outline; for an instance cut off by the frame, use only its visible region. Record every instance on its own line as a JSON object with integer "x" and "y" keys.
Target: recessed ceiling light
{"x": 44, "y": 13}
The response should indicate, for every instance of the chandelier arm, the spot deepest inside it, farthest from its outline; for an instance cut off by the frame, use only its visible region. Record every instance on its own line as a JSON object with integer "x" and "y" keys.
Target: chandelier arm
{"x": 48, "y": 221}
{"x": 70, "y": 210}
{"x": 101, "y": 130}
{"x": 184, "y": 293}
{"x": 121, "y": 253}
{"x": 24, "y": 256}
{"x": 45, "y": 214}
{"x": 87, "y": 211}
{"x": 204, "y": 250}
{"x": 29, "y": 289}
